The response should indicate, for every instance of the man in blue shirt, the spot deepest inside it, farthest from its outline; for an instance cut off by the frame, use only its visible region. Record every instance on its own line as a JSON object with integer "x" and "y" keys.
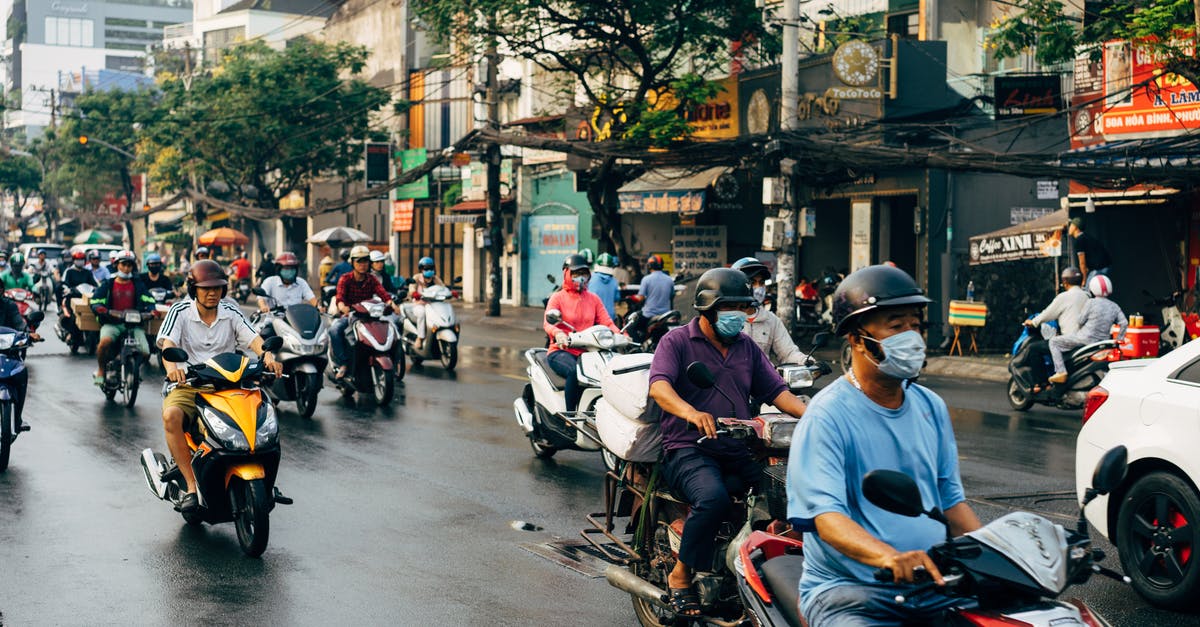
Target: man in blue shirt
{"x": 705, "y": 473}
{"x": 657, "y": 288}
{"x": 874, "y": 418}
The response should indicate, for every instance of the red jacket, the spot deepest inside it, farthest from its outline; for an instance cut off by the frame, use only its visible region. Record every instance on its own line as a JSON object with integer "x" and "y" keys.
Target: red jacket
{"x": 579, "y": 309}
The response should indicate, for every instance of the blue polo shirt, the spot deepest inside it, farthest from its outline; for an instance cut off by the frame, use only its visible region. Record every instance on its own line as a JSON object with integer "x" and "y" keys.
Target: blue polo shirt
{"x": 659, "y": 290}
{"x": 744, "y": 372}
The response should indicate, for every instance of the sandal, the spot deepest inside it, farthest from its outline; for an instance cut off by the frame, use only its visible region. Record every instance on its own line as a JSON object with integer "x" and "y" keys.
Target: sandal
{"x": 685, "y": 602}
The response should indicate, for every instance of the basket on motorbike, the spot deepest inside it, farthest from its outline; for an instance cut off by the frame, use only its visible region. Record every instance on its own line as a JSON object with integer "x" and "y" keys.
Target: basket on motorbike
{"x": 85, "y": 318}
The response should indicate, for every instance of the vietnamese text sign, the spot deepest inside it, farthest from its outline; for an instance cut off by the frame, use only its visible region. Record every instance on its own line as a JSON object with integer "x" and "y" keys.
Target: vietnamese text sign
{"x": 557, "y": 238}
{"x": 1047, "y": 190}
{"x": 860, "y": 234}
{"x": 377, "y": 164}
{"x": 1166, "y": 105}
{"x": 419, "y": 188}
{"x": 698, "y": 248}
{"x": 1033, "y": 245}
{"x": 402, "y": 215}
{"x": 1018, "y": 215}
{"x": 1018, "y": 96}
{"x": 673, "y": 201}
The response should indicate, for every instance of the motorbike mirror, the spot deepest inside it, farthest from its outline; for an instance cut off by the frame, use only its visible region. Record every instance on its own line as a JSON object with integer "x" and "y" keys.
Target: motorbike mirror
{"x": 258, "y": 291}
{"x": 700, "y": 375}
{"x": 174, "y": 355}
{"x": 36, "y": 318}
{"x": 457, "y": 279}
{"x": 1110, "y": 470}
{"x": 893, "y": 491}
{"x": 821, "y": 339}
{"x": 554, "y": 316}
{"x": 273, "y": 344}
{"x": 551, "y": 279}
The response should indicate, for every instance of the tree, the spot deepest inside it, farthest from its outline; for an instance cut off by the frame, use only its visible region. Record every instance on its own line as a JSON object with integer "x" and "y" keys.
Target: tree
{"x": 22, "y": 177}
{"x": 621, "y": 54}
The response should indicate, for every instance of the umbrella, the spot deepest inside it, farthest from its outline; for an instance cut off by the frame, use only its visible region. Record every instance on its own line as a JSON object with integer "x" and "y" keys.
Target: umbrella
{"x": 223, "y": 236}
{"x": 339, "y": 236}
{"x": 92, "y": 236}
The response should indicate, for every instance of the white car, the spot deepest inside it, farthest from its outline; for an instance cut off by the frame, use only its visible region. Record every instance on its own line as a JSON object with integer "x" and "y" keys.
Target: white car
{"x": 1152, "y": 406}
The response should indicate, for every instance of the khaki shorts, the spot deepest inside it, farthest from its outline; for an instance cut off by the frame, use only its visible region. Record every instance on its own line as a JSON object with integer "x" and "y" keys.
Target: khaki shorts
{"x": 183, "y": 397}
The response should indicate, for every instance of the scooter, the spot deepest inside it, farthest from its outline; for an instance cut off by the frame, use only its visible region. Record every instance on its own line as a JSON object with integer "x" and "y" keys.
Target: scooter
{"x": 303, "y": 355}
{"x": 25, "y": 299}
{"x": 372, "y": 345}
{"x": 647, "y": 333}
{"x": 44, "y": 288}
{"x": 541, "y": 410}
{"x": 1175, "y": 329}
{"x": 13, "y": 345}
{"x": 441, "y": 327}
{"x": 67, "y": 329}
{"x": 235, "y": 448}
{"x": 123, "y": 373}
{"x": 163, "y": 299}
{"x": 1086, "y": 366}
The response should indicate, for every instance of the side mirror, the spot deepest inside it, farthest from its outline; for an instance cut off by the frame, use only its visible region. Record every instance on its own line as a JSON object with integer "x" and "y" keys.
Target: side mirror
{"x": 554, "y": 316}
{"x": 893, "y": 491}
{"x": 273, "y": 344}
{"x": 457, "y": 279}
{"x": 258, "y": 291}
{"x": 37, "y": 317}
{"x": 821, "y": 339}
{"x": 1110, "y": 470}
{"x": 174, "y": 355}
{"x": 551, "y": 279}
{"x": 700, "y": 375}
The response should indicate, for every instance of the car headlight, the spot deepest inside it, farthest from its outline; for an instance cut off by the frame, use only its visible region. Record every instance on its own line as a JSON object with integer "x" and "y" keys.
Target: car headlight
{"x": 229, "y": 435}
{"x": 268, "y": 425}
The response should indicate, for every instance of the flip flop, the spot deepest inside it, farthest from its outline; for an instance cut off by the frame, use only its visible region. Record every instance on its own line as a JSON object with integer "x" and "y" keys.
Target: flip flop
{"x": 684, "y": 602}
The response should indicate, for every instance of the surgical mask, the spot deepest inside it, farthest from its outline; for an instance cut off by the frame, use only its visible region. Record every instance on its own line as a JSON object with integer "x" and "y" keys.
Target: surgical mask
{"x": 124, "y": 275}
{"x": 288, "y": 274}
{"x": 903, "y": 354}
{"x": 78, "y": 263}
{"x": 730, "y": 323}
{"x": 428, "y": 274}
{"x": 760, "y": 293}
{"x": 154, "y": 268}
{"x": 581, "y": 282}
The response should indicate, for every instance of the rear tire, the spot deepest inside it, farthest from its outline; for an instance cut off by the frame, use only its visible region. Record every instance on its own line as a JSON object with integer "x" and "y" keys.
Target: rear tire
{"x": 131, "y": 380}
{"x": 1019, "y": 399}
{"x": 383, "y": 385}
{"x": 251, "y": 509}
{"x": 6, "y": 434}
{"x": 449, "y": 352}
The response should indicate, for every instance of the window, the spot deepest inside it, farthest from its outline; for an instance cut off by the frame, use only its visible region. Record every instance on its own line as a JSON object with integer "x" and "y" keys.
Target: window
{"x": 122, "y": 21}
{"x": 1189, "y": 373}
{"x": 123, "y": 64}
{"x": 906, "y": 25}
{"x": 132, "y": 35}
{"x": 179, "y": 4}
{"x": 70, "y": 31}
{"x": 217, "y": 40}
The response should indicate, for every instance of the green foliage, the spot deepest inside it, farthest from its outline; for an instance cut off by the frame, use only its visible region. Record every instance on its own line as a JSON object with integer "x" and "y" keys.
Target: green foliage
{"x": 20, "y": 176}
{"x": 843, "y": 29}
{"x": 659, "y": 126}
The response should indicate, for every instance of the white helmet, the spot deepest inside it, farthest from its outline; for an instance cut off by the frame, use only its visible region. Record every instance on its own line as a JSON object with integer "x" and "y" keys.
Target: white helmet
{"x": 377, "y": 256}
{"x": 1100, "y": 285}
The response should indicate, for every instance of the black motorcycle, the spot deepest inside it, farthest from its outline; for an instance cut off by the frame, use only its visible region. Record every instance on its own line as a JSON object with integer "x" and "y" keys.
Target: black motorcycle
{"x": 1029, "y": 369}
{"x": 123, "y": 373}
{"x": 12, "y": 362}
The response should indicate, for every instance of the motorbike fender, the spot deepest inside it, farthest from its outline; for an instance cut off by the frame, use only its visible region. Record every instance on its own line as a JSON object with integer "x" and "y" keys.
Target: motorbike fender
{"x": 5, "y": 395}
{"x": 382, "y": 361}
{"x": 524, "y": 415}
{"x": 307, "y": 366}
{"x": 447, "y": 335}
{"x": 245, "y": 472}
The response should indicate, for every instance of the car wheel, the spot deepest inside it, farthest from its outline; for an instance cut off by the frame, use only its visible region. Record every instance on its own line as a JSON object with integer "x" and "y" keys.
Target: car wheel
{"x": 1158, "y": 528}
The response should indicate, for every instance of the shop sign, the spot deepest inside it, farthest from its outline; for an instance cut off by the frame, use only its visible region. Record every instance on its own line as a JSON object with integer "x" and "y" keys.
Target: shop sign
{"x": 557, "y": 238}
{"x": 698, "y": 248}
{"x": 671, "y": 201}
{"x": 1021, "y": 215}
{"x": 410, "y": 159}
{"x": 1166, "y": 106}
{"x": 402, "y": 215}
{"x": 714, "y": 119}
{"x": 1047, "y": 190}
{"x": 377, "y": 169}
{"x": 727, "y": 193}
{"x": 860, "y": 234}
{"x": 1018, "y": 96}
{"x": 1034, "y": 245}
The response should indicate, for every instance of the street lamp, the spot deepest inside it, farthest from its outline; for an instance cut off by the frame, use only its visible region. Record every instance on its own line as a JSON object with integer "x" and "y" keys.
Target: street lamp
{"x": 84, "y": 139}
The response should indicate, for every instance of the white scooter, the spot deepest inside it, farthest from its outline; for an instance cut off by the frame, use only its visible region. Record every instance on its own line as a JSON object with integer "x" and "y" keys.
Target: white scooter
{"x": 441, "y": 327}
{"x": 541, "y": 410}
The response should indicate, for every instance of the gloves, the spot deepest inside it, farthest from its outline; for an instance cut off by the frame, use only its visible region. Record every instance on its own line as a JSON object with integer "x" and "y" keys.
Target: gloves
{"x": 101, "y": 310}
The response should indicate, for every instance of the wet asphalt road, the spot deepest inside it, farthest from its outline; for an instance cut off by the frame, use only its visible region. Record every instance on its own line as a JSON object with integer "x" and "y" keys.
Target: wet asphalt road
{"x": 403, "y": 515}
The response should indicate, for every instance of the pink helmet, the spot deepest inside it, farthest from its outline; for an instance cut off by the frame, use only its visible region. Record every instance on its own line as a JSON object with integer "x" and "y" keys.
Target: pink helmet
{"x": 1100, "y": 285}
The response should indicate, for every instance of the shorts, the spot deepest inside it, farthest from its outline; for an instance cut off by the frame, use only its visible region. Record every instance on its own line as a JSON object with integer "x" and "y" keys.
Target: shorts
{"x": 183, "y": 397}
{"x": 114, "y": 331}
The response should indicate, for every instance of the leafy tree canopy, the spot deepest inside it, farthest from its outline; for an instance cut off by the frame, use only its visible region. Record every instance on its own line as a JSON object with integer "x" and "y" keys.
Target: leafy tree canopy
{"x": 20, "y": 176}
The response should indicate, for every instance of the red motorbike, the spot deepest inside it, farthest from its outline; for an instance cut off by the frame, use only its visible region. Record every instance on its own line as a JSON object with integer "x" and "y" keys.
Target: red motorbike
{"x": 372, "y": 342}
{"x": 24, "y": 300}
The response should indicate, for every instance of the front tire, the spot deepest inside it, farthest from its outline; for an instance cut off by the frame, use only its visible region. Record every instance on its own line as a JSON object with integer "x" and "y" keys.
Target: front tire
{"x": 308, "y": 386}
{"x": 251, "y": 509}
{"x": 449, "y": 352}
{"x": 383, "y": 385}
{"x": 1018, "y": 398}
{"x": 131, "y": 381}
{"x": 1158, "y": 529}
{"x": 6, "y": 434}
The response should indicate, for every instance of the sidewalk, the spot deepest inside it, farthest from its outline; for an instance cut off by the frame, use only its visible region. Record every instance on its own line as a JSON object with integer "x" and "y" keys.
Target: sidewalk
{"x": 515, "y": 318}
{"x": 985, "y": 367}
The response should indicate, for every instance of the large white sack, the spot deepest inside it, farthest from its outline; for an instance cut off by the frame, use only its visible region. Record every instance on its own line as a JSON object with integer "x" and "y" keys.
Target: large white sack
{"x": 629, "y": 439}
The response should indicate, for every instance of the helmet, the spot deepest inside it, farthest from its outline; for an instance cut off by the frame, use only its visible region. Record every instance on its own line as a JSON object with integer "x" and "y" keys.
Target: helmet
{"x": 426, "y": 263}
{"x": 124, "y": 255}
{"x": 606, "y": 260}
{"x": 288, "y": 258}
{"x": 377, "y": 256}
{"x": 870, "y": 288}
{"x": 588, "y": 254}
{"x": 153, "y": 258}
{"x": 17, "y": 259}
{"x": 345, "y": 255}
{"x": 203, "y": 250}
{"x": 751, "y": 267}
{"x": 91, "y": 254}
{"x": 1100, "y": 285}
{"x": 78, "y": 255}
{"x": 206, "y": 273}
{"x": 243, "y": 255}
{"x": 576, "y": 262}
{"x": 654, "y": 262}
{"x": 41, "y": 251}
{"x": 1072, "y": 276}
{"x": 722, "y": 285}
{"x": 360, "y": 251}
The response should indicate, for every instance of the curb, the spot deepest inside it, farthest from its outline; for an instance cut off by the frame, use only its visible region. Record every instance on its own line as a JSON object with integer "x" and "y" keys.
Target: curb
{"x": 967, "y": 367}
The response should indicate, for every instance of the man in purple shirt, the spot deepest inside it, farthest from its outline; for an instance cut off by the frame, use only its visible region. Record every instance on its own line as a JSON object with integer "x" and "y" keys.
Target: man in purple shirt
{"x": 705, "y": 473}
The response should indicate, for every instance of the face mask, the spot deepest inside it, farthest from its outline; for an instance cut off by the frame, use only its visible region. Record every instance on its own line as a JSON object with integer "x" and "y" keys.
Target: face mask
{"x": 288, "y": 274}
{"x": 581, "y": 283}
{"x": 124, "y": 275}
{"x": 903, "y": 355}
{"x": 428, "y": 274}
{"x": 760, "y": 293}
{"x": 78, "y": 263}
{"x": 730, "y": 323}
{"x": 154, "y": 269}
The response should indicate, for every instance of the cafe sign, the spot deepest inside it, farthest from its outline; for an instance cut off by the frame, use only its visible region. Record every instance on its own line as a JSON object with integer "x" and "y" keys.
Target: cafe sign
{"x": 1016, "y": 246}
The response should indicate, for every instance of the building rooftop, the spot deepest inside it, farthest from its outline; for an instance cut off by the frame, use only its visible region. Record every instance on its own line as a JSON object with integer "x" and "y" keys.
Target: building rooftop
{"x": 314, "y": 8}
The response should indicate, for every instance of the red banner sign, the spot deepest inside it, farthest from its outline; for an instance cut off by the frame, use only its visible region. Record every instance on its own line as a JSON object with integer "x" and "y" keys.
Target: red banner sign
{"x": 1140, "y": 99}
{"x": 402, "y": 215}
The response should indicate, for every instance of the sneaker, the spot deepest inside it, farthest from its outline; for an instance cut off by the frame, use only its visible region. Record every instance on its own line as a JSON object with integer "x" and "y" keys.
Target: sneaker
{"x": 339, "y": 373}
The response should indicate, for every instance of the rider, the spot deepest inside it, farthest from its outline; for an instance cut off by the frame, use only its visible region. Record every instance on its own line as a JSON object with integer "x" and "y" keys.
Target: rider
{"x": 119, "y": 294}
{"x": 353, "y": 288}
{"x": 604, "y": 284}
{"x": 3, "y": 261}
{"x": 99, "y": 272}
{"x": 378, "y": 259}
{"x": 240, "y": 268}
{"x": 42, "y": 264}
{"x": 202, "y": 253}
{"x": 874, "y": 417}
{"x": 335, "y": 274}
{"x": 76, "y": 274}
{"x": 580, "y": 309}
{"x": 154, "y": 276}
{"x": 707, "y": 473}
{"x": 15, "y": 277}
{"x": 286, "y": 288}
{"x": 765, "y": 328}
{"x": 10, "y": 317}
{"x": 1066, "y": 309}
{"x": 1095, "y": 324}
{"x": 203, "y": 326}
{"x": 657, "y": 288}
{"x": 425, "y": 277}
{"x": 267, "y": 268}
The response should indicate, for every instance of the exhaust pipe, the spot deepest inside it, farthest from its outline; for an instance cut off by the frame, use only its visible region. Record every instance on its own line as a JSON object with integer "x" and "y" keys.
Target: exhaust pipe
{"x": 524, "y": 416}
{"x": 153, "y": 474}
{"x": 622, "y": 579}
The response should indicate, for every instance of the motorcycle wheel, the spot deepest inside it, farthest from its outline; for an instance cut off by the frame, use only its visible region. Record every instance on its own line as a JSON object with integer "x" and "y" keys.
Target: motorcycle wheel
{"x": 383, "y": 385}
{"x": 308, "y": 386}
{"x": 449, "y": 352}
{"x": 251, "y": 508}
{"x": 1019, "y": 399}
{"x": 6, "y": 434}
{"x": 1157, "y": 538}
{"x": 611, "y": 461}
{"x": 131, "y": 381}
{"x": 658, "y": 550}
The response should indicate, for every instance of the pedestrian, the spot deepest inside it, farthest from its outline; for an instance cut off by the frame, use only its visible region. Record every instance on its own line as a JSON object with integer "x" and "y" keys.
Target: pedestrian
{"x": 1093, "y": 256}
{"x": 605, "y": 285}
{"x": 1095, "y": 324}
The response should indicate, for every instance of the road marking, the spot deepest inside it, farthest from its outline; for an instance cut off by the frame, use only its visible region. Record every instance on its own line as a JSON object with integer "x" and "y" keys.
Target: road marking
{"x": 514, "y": 377}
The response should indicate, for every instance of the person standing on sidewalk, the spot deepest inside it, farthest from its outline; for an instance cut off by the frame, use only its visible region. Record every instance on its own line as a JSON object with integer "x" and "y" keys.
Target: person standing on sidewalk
{"x": 1095, "y": 324}
{"x": 1093, "y": 256}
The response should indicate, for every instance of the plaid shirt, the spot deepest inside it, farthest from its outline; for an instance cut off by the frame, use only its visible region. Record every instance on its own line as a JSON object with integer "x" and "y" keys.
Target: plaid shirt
{"x": 352, "y": 292}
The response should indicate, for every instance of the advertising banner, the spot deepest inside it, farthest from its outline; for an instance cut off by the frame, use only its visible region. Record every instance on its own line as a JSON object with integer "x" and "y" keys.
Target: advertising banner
{"x": 698, "y": 248}
{"x": 1019, "y": 96}
{"x": 1141, "y": 100}
{"x": 409, "y": 159}
{"x": 402, "y": 215}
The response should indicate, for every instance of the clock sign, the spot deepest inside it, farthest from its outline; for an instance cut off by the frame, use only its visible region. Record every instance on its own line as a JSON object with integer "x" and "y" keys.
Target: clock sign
{"x": 856, "y": 63}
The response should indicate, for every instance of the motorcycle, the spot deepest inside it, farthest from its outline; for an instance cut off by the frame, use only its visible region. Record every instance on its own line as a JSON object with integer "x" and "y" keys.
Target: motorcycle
{"x": 123, "y": 373}
{"x": 242, "y": 291}
{"x": 441, "y": 327}
{"x": 68, "y": 329}
{"x": 303, "y": 355}
{"x": 1028, "y": 371}
{"x": 647, "y": 333}
{"x": 372, "y": 345}
{"x": 235, "y": 448}
{"x": 26, "y": 301}
{"x": 656, "y": 516}
{"x": 44, "y": 288}
{"x": 162, "y": 303}
{"x": 1176, "y": 328}
{"x": 13, "y": 345}
{"x": 541, "y": 410}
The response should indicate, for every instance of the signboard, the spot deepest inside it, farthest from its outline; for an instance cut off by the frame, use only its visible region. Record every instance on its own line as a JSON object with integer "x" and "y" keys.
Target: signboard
{"x": 860, "y": 234}
{"x": 409, "y": 159}
{"x": 1167, "y": 105}
{"x": 689, "y": 201}
{"x": 1015, "y": 246}
{"x": 402, "y": 215}
{"x": 715, "y": 119}
{"x": 1087, "y": 103}
{"x": 1018, "y": 96}
{"x": 1047, "y": 190}
{"x": 698, "y": 248}
{"x": 1020, "y": 215}
{"x": 377, "y": 166}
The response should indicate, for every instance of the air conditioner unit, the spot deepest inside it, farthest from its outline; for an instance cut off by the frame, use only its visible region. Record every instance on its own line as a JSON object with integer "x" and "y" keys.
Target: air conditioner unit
{"x": 772, "y": 234}
{"x": 773, "y": 190}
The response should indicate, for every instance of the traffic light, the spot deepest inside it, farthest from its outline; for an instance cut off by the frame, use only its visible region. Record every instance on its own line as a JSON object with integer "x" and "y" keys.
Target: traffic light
{"x": 83, "y": 140}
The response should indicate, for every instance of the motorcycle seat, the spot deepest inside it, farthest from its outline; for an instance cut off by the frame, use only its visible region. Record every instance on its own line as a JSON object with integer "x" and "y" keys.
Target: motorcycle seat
{"x": 783, "y": 578}
{"x": 663, "y": 317}
{"x": 558, "y": 381}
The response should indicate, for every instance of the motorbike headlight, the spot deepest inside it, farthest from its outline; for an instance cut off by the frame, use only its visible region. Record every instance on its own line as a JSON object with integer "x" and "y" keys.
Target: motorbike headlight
{"x": 228, "y": 434}
{"x": 7, "y": 340}
{"x": 604, "y": 337}
{"x": 268, "y": 425}
{"x": 796, "y": 377}
{"x": 133, "y": 317}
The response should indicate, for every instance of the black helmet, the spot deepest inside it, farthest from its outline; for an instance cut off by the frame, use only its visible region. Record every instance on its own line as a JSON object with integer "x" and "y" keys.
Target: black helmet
{"x": 722, "y": 285}
{"x": 576, "y": 262}
{"x": 870, "y": 288}
{"x": 1072, "y": 276}
{"x": 751, "y": 267}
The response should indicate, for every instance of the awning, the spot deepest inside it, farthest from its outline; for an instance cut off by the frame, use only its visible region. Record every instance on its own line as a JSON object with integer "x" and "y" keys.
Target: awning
{"x": 477, "y": 206}
{"x": 1029, "y": 240}
{"x": 668, "y": 190}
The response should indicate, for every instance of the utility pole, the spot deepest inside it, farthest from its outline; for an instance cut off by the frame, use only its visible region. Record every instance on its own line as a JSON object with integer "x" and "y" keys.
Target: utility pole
{"x": 494, "y": 247}
{"x": 785, "y": 272}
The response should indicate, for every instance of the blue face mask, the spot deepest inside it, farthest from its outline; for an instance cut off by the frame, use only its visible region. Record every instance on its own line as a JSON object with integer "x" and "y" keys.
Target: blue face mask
{"x": 124, "y": 275}
{"x": 903, "y": 354}
{"x": 730, "y": 323}
{"x": 428, "y": 274}
{"x": 288, "y": 274}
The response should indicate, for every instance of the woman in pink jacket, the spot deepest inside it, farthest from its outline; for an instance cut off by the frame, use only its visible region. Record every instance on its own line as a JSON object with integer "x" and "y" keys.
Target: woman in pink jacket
{"x": 580, "y": 309}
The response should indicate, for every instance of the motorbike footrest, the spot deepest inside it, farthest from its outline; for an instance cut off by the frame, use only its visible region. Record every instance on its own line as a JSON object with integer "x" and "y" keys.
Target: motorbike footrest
{"x": 280, "y": 498}
{"x": 23, "y": 428}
